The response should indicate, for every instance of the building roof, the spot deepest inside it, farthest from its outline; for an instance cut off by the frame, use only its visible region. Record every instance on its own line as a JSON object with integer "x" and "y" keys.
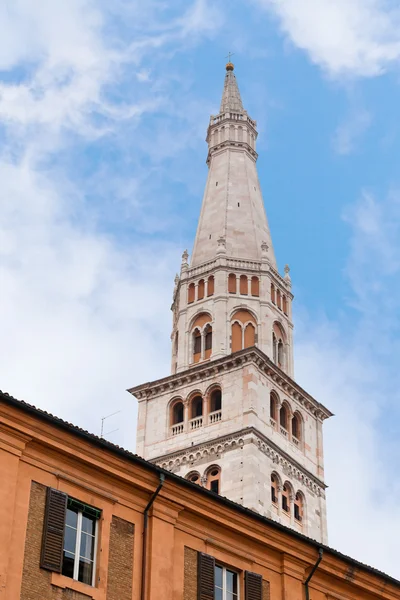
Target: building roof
{"x": 134, "y": 458}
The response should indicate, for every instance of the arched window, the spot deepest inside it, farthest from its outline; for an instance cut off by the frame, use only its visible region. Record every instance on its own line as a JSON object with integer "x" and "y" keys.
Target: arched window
{"x": 283, "y": 417}
{"x": 278, "y": 299}
{"x": 273, "y": 406}
{"x": 255, "y": 286}
{"x": 296, "y": 428}
{"x": 244, "y": 285}
{"x": 213, "y": 479}
{"x": 210, "y": 285}
{"x": 243, "y": 330}
{"x": 196, "y": 345}
{"x": 286, "y": 498}
{"x": 273, "y": 299}
{"x": 194, "y": 477}
{"x": 207, "y": 341}
{"x": 191, "y": 292}
{"x": 285, "y": 305}
{"x": 200, "y": 290}
{"x": 274, "y": 489}
{"x": 177, "y": 413}
{"x": 278, "y": 345}
{"x": 196, "y": 407}
{"x": 215, "y": 400}
{"x": 298, "y": 507}
{"x": 232, "y": 283}
{"x": 249, "y": 335}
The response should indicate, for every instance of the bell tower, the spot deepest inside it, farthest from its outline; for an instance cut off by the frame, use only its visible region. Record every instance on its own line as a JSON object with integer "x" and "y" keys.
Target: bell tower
{"x": 231, "y": 417}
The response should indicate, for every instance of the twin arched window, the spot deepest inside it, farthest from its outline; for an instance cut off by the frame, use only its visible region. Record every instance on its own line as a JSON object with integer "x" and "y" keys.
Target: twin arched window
{"x": 278, "y": 345}
{"x": 283, "y": 497}
{"x": 243, "y": 330}
{"x": 201, "y": 338}
{"x": 281, "y": 418}
{"x": 211, "y": 478}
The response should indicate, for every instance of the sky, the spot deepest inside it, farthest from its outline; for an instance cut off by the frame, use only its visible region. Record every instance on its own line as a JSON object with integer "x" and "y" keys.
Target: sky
{"x": 103, "y": 115}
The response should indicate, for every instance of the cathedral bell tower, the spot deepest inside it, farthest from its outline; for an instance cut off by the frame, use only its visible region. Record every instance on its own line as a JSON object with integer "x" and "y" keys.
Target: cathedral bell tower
{"x": 231, "y": 417}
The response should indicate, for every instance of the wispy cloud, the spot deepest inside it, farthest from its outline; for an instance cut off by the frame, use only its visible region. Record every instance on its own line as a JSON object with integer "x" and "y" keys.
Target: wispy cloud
{"x": 357, "y": 38}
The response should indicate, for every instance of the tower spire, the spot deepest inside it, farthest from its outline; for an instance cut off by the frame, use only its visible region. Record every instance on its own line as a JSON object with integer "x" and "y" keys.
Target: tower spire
{"x": 232, "y": 206}
{"x": 231, "y": 100}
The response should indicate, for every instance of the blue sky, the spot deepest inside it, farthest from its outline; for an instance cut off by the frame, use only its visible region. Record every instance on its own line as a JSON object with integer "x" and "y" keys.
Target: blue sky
{"x": 103, "y": 117}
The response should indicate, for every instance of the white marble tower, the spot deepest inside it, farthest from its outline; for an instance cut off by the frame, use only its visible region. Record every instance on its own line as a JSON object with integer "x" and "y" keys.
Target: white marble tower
{"x": 231, "y": 417}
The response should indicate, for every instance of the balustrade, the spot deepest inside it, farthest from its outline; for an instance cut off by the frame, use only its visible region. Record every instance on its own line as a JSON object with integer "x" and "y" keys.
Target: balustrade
{"x": 215, "y": 416}
{"x": 176, "y": 429}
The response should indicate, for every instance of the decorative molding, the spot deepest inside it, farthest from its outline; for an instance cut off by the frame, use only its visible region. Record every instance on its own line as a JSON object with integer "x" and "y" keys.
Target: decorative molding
{"x": 218, "y": 446}
{"x": 202, "y": 371}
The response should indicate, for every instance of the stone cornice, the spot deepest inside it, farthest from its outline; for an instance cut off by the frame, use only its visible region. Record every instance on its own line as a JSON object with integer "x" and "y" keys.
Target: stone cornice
{"x": 219, "y": 445}
{"x": 231, "y": 362}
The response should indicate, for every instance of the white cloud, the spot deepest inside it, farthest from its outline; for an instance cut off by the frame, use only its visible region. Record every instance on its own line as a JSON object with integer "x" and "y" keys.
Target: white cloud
{"x": 350, "y": 131}
{"x": 357, "y": 37}
{"x": 351, "y": 367}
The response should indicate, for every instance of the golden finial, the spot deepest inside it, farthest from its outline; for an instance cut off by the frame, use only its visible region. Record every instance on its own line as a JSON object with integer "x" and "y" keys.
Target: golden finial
{"x": 229, "y": 64}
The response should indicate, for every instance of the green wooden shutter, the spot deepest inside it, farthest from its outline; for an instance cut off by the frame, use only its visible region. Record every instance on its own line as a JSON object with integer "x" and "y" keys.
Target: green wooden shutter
{"x": 253, "y": 585}
{"x": 205, "y": 577}
{"x": 53, "y": 530}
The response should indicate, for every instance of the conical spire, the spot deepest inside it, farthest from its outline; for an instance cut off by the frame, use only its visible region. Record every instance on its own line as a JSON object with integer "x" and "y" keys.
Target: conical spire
{"x": 231, "y": 100}
{"x": 233, "y": 208}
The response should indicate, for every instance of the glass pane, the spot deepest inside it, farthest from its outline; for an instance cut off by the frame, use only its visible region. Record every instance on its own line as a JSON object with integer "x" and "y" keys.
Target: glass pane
{"x": 231, "y": 596}
{"x": 218, "y": 576}
{"x": 88, "y": 525}
{"x": 85, "y": 571}
{"x": 68, "y": 564}
{"x": 70, "y": 539}
{"x": 218, "y": 594}
{"x": 87, "y": 546}
{"x": 231, "y": 582}
{"x": 72, "y": 518}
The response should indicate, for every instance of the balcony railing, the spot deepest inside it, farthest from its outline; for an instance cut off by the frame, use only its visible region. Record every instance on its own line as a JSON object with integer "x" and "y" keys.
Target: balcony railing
{"x": 272, "y": 423}
{"x": 196, "y": 423}
{"x": 284, "y": 431}
{"x": 295, "y": 441}
{"x": 215, "y": 416}
{"x": 177, "y": 429}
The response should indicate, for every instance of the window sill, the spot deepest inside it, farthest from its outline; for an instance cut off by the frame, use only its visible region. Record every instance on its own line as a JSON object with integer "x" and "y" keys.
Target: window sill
{"x": 61, "y": 581}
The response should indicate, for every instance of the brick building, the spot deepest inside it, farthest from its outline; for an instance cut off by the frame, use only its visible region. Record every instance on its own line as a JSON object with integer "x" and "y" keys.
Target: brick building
{"x": 82, "y": 519}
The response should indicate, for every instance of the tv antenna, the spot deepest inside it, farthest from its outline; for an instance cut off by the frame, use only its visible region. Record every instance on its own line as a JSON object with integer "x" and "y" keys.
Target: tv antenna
{"x": 102, "y": 434}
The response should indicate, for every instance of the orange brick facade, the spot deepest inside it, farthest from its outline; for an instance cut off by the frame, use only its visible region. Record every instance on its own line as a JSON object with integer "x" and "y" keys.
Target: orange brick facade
{"x": 38, "y": 451}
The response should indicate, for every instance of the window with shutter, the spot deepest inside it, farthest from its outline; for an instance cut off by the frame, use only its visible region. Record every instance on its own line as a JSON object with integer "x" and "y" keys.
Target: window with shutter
{"x": 205, "y": 570}
{"x": 53, "y": 531}
{"x": 253, "y": 586}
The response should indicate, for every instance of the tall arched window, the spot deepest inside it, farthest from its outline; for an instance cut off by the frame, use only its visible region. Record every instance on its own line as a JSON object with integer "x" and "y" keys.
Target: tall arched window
{"x": 298, "y": 507}
{"x": 214, "y": 479}
{"x": 191, "y": 293}
{"x": 236, "y": 337}
{"x": 200, "y": 290}
{"x": 273, "y": 406}
{"x": 278, "y": 299}
{"x": 286, "y": 498}
{"x": 296, "y": 428}
{"x": 177, "y": 413}
{"x": 210, "y": 285}
{"x": 285, "y": 305}
{"x": 196, "y": 345}
{"x": 255, "y": 286}
{"x": 249, "y": 335}
{"x": 278, "y": 345}
{"x": 207, "y": 341}
{"x": 196, "y": 407}
{"x": 232, "y": 283}
{"x": 244, "y": 285}
{"x": 273, "y": 298}
{"x": 215, "y": 400}
{"x": 274, "y": 489}
{"x": 283, "y": 417}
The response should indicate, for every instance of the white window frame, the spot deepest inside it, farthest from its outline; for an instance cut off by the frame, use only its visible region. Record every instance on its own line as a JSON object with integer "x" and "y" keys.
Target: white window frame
{"x": 78, "y": 545}
{"x": 224, "y": 572}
